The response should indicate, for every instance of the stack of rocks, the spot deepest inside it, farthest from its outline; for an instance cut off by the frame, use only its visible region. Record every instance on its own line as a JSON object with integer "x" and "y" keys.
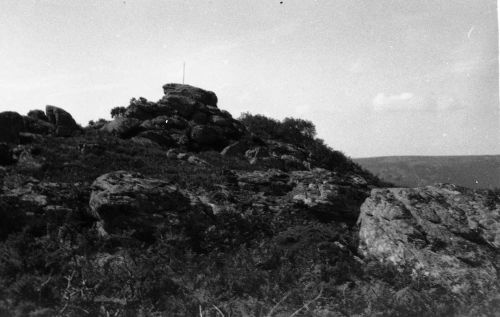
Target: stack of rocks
{"x": 186, "y": 116}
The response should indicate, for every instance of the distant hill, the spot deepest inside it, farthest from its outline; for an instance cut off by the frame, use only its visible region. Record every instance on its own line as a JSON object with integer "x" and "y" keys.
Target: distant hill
{"x": 482, "y": 171}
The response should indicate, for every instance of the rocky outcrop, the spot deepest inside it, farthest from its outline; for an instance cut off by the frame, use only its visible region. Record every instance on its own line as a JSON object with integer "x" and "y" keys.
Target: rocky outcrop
{"x": 328, "y": 195}
{"x": 11, "y": 123}
{"x": 64, "y": 123}
{"x": 270, "y": 182}
{"x": 38, "y": 115}
{"x": 128, "y": 200}
{"x": 189, "y": 94}
{"x": 448, "y": 233}
{"x": 38, "y": 126}
{"x": 185, "y": 117}
{"x": 270, "y": 153}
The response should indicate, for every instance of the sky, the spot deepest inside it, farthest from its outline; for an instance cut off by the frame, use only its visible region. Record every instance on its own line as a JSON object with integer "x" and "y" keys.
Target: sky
{"x": 377, "y": 78}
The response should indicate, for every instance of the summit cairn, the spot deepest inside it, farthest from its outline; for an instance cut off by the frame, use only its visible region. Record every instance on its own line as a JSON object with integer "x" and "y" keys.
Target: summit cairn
{"x": 185, "y": 114}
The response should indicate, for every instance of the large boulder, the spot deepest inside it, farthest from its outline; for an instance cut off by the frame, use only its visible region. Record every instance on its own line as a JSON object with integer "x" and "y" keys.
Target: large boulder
{"x": 11, "y": 123}
{"x": 190, "y": 93}
{"x": 447, "y": 233}
{"x": 38, "y": 126}
{"x": 63, "y": 121}
{"x": 123, "y": 127}
{"x": 38, "y": 115}
{"x": 130, "y": 201}
{"x": 143, "y": 109}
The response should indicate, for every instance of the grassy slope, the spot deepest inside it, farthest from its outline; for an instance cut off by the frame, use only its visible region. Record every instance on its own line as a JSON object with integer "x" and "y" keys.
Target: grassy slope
{"x": 251, "y": 263}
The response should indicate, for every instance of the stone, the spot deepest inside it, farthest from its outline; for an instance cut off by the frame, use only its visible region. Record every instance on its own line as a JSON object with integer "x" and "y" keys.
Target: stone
{"x": 445, "y": 232}
{"x": 38, "y": 115}
{"x": 197, "y": 161}
{"x": 28, "y": 138}
{"x": 123, "y": 127}
{"x": 327, "y": 196}
{"x": 157, "y": 123}
{"x": 64, "y": 123}
{"x": 37, "y": 126}
{"x": 292, "y": 163}
{"x": 27, "y": 162}
{"x": 143, "y": 109}
{"x": 200, "y": 117}
{"x": 181, "y": 105}
{"x": 239, "y": 148}
{"x": 204, "y": 135}
{"x": 11, "y": 123}
{"x": 257, "y": 153}
{"x": 129, "y": 200}
{"x": 278, "y": 149}
{"x": 176, "y": 122}
{"x": 163, "y": 139}
{"x": 271, "y": 182}
{"x": 6, "y": 157}
{"x": 143, "y": 141}
{"x": 190, "y": 92}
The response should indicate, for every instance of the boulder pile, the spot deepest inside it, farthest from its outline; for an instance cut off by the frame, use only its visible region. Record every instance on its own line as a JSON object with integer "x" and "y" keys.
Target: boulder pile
{"x": 185, "y": 116}
{"x": 16, "y": 129}
{"x": 55, "y": 121}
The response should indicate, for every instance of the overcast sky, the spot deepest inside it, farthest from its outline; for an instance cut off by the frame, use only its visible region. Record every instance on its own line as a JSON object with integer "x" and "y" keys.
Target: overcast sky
{"x": 376, "y": 77}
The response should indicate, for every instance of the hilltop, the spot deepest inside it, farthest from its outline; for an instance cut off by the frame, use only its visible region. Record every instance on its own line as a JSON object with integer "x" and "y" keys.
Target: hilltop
{"x": 175, "y": 208}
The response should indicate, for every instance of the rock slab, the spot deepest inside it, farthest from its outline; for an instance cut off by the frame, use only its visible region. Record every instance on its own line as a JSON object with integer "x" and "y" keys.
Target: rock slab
{"x": 448, "y": 233}
{"x": 129, "y": 200}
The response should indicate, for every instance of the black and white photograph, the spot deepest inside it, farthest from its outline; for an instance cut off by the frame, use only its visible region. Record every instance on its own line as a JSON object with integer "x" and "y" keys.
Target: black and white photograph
{"x": 249, "y": 158}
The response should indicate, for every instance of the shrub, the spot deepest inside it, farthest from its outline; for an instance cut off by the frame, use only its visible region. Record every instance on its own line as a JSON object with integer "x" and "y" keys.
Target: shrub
{"x": 298, "y": 132}
{"x": 118, "y": 111}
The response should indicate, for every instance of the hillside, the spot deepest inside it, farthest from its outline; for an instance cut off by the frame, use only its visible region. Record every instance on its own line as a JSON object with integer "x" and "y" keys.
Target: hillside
{"x": 175, "y": 208}
{"x": 481, "y": 171}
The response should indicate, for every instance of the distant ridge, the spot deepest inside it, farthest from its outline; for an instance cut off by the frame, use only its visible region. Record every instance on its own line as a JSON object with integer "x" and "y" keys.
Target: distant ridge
{"x": 474, "y": 171}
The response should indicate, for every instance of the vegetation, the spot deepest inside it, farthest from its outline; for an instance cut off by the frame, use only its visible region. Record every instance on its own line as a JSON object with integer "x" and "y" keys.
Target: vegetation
{"x": 302, "y": 133}
{"x": 118, "y": 111}
{"x": 249, "y": 260}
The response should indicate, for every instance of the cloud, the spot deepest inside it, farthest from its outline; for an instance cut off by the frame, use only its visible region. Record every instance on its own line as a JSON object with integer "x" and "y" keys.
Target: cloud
{"x": 403, "y": 101}
{"x": 409, "y": 102}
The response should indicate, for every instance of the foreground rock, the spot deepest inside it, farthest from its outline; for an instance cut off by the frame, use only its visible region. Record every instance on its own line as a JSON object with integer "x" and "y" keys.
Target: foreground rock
{"x": 448, "y": 233}
{"x": 130, "y": 201}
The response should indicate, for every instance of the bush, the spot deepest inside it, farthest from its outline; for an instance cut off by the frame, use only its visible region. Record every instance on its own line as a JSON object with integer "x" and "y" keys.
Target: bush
{"x": 299, "y": 132}
{"x": 118, "y": 111}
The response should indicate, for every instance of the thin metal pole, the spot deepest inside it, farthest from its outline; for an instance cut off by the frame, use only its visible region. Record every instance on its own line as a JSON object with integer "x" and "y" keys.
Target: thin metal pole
{"x": 183, "y": 72}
